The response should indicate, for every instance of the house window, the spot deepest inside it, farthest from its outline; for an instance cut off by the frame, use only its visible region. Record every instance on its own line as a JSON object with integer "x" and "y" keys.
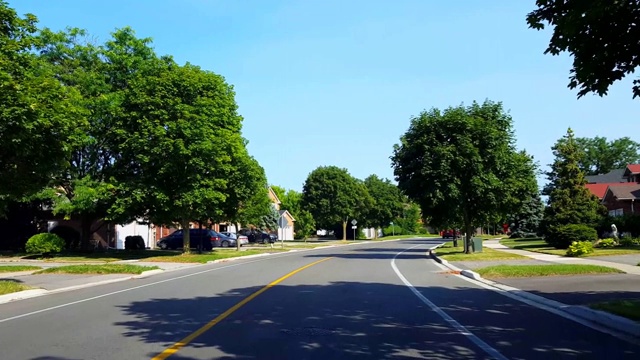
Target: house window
{"x": 616, "y": 212}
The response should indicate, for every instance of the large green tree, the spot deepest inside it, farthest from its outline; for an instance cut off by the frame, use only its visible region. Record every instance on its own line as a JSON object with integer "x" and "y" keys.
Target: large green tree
{"x": 601, "y": 35}
{"x": 459, "y": 165}
{"x": 247, "y": 200}
{"x": 39, "y": 117}
{"x": 102, "y": 74}
{"x": 599, "y": 155}
{"x": 388, "y": 201}
{"x": 333, "y": 197}
{"x": 570, "y": 202}
{"x": 179, "y": 125}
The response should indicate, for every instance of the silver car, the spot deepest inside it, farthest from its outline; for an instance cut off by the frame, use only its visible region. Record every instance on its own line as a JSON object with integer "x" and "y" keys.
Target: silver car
{"x": 242, "y": 238}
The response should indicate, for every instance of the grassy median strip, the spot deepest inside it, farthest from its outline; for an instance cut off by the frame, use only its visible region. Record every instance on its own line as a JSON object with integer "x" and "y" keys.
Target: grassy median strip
{"x": 98, "y": 269}
{"x": 17, "y": 268}
{"x": 626, "y": 308}
{"x": 8, "y": 287}
{"x": 487, "y": 254}
{"x": 510, "y": 271}
{"x": 216, "y": 255}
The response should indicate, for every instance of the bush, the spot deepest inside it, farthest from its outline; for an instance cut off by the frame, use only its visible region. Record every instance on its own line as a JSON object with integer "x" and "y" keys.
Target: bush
{"x": 135, "y": 242}
{"x": 579, "y": 248}
{"x": 391, "y": 230}
{"x": 44, "y": 243}
{"x": 562, "y": 236}
{"x": 522, "y": 235}
{"x": 423, "y": 231}
{"x": 606, "y": 243}
{"x": 629, "y": 241}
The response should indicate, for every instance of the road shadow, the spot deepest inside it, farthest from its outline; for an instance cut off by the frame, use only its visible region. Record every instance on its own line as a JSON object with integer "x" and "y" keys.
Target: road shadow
{"x": 357, "y": 320}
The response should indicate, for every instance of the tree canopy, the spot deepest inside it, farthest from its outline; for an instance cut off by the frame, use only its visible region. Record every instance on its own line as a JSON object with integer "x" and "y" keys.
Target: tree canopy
{"x": 388, "y": 201}
{"x": 601, "y": 35}
{"x": 600, "y": 156}
{"x": 333, "y": 197}
{"x": 39, "y": 117}
{"x": 460, "y": 165}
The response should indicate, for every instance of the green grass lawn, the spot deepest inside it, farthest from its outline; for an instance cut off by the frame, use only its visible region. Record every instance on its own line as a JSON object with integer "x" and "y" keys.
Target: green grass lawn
{"x": 98, "y": 269}
{"x": 7, "y": 287}
{"x": 450, "y": 253}
{"x": 505, "y": 271}
{"x": 16, "y": 268}
{"x": 627, "y": 308}
{"x": 216, "y": 255}
{"x": 540, "y": 246}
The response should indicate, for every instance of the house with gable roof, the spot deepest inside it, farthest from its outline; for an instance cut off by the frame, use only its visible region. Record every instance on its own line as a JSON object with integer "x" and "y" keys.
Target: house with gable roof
{"x": 618, "y": 189}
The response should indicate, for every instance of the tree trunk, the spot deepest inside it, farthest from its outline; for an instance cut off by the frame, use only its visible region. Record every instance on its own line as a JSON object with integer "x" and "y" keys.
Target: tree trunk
{"x": 237, "y": 237}
{"x": 468, "y": 227}
{"x": 344, "y": 231}
{"x": 200, "y": 237}
{"x": 85, "y": 232}
{"x": 186, "y": 239}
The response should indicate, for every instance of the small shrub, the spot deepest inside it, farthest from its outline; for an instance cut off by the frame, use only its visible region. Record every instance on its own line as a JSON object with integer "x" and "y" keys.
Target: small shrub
{"x": 579, "y": 248}
{"x": 423, "y": 231}
{"x": 393, "y": 230}
{"x": 629, "y": 241}
{"x": 44, "y": 243}
{"x": 135, "y": 242}
{"x": 606, "y": 243}
{"x": 562, "y": 236}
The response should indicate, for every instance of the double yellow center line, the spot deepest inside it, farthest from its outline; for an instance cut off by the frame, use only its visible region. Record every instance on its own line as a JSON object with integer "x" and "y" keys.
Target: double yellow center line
{"x": 180, "y": 344}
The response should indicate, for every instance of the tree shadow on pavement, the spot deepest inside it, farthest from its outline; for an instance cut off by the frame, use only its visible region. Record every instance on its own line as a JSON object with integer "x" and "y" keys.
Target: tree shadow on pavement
{"x": 358, "y": 320}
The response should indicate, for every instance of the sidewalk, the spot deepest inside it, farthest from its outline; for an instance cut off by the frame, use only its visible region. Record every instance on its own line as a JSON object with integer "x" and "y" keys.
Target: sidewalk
{"x": 627, "y": 268}
{"x": 569, "y": 295}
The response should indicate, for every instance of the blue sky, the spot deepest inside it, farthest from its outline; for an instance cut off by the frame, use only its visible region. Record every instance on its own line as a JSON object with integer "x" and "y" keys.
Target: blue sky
{"x": 325, "y": 82}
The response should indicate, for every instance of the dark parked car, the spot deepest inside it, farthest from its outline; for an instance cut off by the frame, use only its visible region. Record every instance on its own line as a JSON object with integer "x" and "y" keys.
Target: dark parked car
{"x": 258, "y": 236}
{"x": 205, "y": 238}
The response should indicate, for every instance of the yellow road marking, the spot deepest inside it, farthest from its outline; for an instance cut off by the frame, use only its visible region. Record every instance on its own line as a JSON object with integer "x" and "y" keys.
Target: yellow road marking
{"x": 180, "y": 344}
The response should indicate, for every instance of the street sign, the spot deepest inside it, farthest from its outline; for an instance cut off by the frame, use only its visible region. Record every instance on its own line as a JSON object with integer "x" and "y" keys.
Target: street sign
{"x": 354, "y": 227}
{"x": 354, "y": 222}
{"x": 282, "y": 222}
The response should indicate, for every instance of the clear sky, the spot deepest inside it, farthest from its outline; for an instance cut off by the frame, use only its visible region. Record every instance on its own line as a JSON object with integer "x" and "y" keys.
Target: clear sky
{"x": 326, "y": 82}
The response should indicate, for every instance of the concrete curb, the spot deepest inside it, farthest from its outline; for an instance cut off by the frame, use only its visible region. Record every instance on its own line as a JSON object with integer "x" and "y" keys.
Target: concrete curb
{"x": 604, "y": 319}
{"x": 25, "y": 294}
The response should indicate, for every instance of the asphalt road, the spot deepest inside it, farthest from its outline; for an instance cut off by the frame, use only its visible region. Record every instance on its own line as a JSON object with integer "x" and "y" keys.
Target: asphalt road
{"x": 376, "y": 301}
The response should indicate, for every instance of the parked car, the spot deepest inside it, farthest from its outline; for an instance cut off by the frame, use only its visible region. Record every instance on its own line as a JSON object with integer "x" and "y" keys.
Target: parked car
{"x": 450, "y": 234}
{"x": 258, "y": 236}
{"x": 204, "y": 239}
{"x": 244, "y": 240}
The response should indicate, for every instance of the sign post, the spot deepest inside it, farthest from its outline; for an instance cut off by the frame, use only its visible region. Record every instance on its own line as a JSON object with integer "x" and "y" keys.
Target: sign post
{"x": 354, "y": 227}
{"x": 282, "y": 223}
{"x": 393, "y": 229}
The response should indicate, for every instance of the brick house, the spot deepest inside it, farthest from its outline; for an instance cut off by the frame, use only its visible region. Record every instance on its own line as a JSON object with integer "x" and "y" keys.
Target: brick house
{"x": 618, "y": 190}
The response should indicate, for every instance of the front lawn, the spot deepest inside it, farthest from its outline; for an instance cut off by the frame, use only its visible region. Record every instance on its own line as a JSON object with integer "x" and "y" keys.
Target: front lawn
{"x": 540, "y": 246}
{"x": 8, "y": 287}
{"x": 98, "y": 269}
{"x": 17, "y": 268}
{"x": 520, "y": 271}
{"x": 111, "y": 255}
{"x": 450, "y": 253}
{"x": 627, "y": 308}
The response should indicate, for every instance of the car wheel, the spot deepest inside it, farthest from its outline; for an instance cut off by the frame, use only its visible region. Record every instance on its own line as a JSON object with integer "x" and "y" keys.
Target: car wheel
{"x": 224, "y": 244}
{"x": 163, "y": 246}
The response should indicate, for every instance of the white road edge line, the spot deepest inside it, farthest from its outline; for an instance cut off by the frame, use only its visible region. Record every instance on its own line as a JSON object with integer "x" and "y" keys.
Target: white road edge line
{"x": 461, "y": 329}
{"x": 550, "y": 309}
{"x": 266, "y": 258}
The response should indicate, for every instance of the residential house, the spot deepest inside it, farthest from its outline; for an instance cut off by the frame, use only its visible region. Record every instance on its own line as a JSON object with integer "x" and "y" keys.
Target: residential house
{"x": 617, "y": 189}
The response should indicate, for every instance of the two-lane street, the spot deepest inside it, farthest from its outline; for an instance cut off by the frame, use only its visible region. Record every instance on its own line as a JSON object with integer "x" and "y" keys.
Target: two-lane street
{"x": 374, "y": 301}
